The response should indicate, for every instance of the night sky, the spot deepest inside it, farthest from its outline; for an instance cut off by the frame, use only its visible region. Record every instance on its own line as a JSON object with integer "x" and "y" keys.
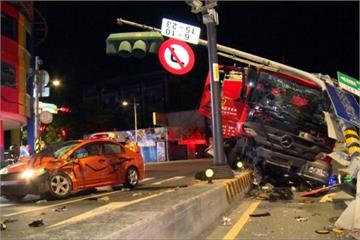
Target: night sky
{"x": 313, "y": 36}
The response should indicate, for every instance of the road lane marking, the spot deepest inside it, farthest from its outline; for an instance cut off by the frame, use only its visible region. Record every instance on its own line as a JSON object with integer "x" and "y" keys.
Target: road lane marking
{"x": 58, "y": 204}
{"x": 147, "y": 179}
{"x": 103, "y": 209}
{"x": 235, "y": 230}
{"x": 168, "y": 180}
{"x": 7, "y": 204}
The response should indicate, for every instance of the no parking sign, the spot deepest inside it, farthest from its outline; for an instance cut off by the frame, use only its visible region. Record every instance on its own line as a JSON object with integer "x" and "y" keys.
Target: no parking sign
{"x": 176, "y": 56}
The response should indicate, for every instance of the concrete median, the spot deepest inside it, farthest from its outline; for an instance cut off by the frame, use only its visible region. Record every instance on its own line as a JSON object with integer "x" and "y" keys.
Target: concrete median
{"x": 179, "y": 214}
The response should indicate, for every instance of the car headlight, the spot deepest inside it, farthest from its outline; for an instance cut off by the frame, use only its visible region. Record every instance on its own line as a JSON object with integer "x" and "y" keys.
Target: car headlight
{"x": 4, "y": 171}
{"x": 30, "y": 173}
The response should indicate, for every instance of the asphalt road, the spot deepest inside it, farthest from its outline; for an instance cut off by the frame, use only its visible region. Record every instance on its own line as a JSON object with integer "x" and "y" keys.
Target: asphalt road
{"x": 296, "y": 219}
{"x": 160, "y": 178}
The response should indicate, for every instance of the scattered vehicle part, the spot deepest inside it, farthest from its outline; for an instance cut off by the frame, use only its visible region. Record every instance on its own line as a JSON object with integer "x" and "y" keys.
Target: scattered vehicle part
{"x": 70, "y": 166}
{"x": 264, "y": 214}
{"x": 317, "y": 191}
{"x": 226, "y": 221}
{"x": 322, "y": 231}
{"x": 60, "y": 209}
{"x": 41, "y": 201}
{"x": 301, "y": 219}
{"x": 36, "y": 223}
{"x": 327, "y": 198}
{"x": 10, "y": 220}
{"x": 103, "y": 199}
{"x": 337, "y": 230}
{"x": 3, "y": 226}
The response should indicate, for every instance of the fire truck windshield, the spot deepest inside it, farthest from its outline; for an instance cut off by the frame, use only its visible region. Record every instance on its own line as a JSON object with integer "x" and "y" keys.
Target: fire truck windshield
{"x": 287, "y": 99}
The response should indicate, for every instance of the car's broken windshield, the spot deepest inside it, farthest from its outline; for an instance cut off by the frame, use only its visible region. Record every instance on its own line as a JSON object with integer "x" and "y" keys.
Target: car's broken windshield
{"x": 57, "y": 150}
{"x": 290, "y": 99}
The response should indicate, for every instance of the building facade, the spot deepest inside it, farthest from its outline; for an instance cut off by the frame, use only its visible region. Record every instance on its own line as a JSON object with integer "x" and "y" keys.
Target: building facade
{"x": 16, "y": 20}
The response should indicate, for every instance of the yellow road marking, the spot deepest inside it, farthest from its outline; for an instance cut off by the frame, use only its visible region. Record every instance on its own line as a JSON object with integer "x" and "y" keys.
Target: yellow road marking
{"x": 57, "y": 204}
{"x": 235, "y": 230}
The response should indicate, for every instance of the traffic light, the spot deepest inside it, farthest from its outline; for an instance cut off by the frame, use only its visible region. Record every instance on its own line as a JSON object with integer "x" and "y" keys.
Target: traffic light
{"x": 42, "y": 128}
{"x": 64, "y": 109}
{"x": 63, "y": 132}
{"x": 135, "y": 44}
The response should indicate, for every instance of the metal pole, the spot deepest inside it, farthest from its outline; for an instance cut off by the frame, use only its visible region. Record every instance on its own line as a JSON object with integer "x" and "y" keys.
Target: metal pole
{"x": 36, "y": 103}
{"x": 135, "y": 116}
{"x": 209, "y": 19}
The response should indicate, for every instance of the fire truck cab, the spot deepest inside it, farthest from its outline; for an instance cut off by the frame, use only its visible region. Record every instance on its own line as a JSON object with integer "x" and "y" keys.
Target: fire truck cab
{"x": 273, "y": 123}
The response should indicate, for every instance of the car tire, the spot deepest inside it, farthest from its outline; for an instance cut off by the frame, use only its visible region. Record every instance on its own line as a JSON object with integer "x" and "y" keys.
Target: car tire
{"x": 60, "y": 186}
{"x": 15, "y": 198}
{"x": 132, "y": 177}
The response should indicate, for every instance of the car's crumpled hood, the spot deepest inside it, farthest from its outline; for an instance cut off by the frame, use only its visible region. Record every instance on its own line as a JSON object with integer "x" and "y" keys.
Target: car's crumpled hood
{"x": 34, "y": 162}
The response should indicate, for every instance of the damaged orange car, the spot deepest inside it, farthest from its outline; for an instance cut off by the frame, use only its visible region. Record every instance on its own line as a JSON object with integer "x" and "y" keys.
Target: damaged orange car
{"x": 70, "y": 166}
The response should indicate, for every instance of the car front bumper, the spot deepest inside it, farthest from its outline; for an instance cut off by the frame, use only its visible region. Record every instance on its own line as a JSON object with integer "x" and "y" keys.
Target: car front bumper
{"x": 11, "y": 184}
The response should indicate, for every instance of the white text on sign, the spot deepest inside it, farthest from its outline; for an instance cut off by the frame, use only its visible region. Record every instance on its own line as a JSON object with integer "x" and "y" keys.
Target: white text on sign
{"x": 181, "y": 31}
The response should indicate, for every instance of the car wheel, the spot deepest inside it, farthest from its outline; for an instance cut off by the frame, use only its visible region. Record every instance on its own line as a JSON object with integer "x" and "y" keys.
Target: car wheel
{"x": 14, "y": 198}
{"x": 60, "y": 186}
{"x": 132, "y": 177}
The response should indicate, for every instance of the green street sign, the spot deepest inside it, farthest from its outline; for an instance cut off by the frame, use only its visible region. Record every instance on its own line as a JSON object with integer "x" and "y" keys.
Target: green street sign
{"x": 349, "y": 83}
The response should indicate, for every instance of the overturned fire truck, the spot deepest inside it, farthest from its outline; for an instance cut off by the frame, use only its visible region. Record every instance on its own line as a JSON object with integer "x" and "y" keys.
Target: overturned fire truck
{"x": 273, "y": 123}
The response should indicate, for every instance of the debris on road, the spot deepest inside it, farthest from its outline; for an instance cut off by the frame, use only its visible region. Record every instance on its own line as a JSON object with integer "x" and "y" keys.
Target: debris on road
{"x": 301, "y": 219}
{"x": 103, "y": 199}
{"x": 3, "y": 226}
{"x": 136, "y": 194}
{"x": 60, "y": 209}
{"x": 337, "y": 230}
{"x": 322, "y": 231}
{"x": 41, "y": 201}
{"x": 318, "y": 190}
{"x": 36, "y": 223}
{"x": 271, "y": 193}
{"x": 260, "y": 234}
{"x": 327, "y": 198}
{"x": 265, "y": 214}
{"x": 10, "y": 220}
{"x": 226, "y": 221}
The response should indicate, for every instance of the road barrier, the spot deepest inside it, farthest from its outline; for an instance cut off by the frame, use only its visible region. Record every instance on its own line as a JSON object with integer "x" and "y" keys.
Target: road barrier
{"x": 236, "y": 188}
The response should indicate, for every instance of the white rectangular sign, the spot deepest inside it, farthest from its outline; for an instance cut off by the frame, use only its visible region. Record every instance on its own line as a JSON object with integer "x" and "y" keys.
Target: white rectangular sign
{"x": 181, "y": 31}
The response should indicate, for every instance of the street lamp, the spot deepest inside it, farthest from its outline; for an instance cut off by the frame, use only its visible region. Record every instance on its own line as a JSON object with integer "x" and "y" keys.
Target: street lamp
{"x": 125, "y": 104}
{"x": 56, "y": 83}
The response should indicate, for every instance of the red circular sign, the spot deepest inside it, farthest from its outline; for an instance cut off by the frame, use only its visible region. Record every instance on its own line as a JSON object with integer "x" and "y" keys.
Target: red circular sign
{"x": 176, "y": 56}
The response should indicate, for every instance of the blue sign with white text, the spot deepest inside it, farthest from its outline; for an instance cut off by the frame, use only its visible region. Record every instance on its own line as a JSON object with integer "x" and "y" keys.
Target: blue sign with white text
{"x": 345, "y": 105}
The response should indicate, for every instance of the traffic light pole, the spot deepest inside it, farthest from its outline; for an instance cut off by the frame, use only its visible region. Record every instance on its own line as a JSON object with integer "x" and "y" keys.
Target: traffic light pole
{"x": 210, "y": 20}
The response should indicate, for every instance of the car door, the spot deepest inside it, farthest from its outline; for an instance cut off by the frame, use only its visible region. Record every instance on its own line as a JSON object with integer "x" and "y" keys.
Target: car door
{"x": 118, "y": 160}
{"x": 94, "y": 166}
